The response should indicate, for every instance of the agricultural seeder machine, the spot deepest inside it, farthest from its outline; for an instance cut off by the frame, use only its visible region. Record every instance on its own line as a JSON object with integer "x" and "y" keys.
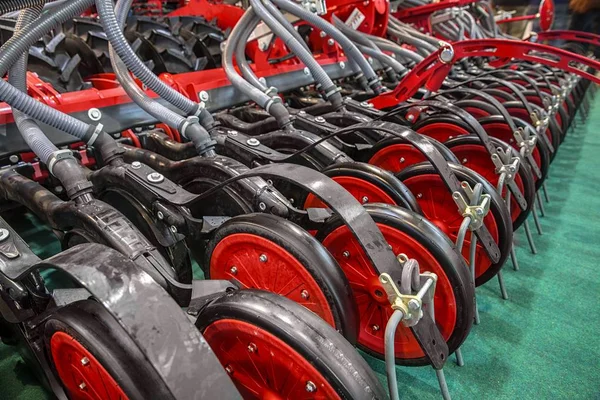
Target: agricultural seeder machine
{"x": 345, "y": 173}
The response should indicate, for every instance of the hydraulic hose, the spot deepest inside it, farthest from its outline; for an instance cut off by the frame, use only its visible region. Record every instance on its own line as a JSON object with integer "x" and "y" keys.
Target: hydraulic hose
{"x": 350, "y": 49}
{"x": 327, "y": 86}
{"x": 68, "y": 170}
{"x": 414, "y": 32}
{"x": 240, "y": 56}
{"x": 388, "y": 45}
{"x": 31, "y": 132}
{"x": 189, "y": 129}
{"x": 391, "y": 66}
{"x": 271, "y": 104}
{"x": 135, "y": 65}
{"x": 7, "y": 6}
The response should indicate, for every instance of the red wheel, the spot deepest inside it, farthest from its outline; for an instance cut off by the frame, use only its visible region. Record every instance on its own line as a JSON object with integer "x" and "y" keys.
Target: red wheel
{"x": 396, "y": 157}
{"x": 412, "y": 235}
{"x": 83, "y": 381}
{"x": 262, "y": 251}
{"x": 441, "y": 131}
{"x": 95, "y": 359}
{"x": 368, "y": 184}
{"x": 274, "y": 349}
{"x": 439, "y": 208}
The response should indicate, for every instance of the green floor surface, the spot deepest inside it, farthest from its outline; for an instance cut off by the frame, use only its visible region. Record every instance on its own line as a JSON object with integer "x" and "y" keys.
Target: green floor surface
{"x": 543, "y": 343}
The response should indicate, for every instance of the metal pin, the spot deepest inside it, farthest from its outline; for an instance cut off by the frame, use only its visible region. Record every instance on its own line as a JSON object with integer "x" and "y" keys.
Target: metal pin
{"x": 530, "y": 238}
{"x": 443, "y": 385}
{"x": 545, "y": 192}
{"x": 502, "y": 286}
{"x": 540, "y": 203}
{"x": 536, "y": 219}
{"x": 459, "y": 358}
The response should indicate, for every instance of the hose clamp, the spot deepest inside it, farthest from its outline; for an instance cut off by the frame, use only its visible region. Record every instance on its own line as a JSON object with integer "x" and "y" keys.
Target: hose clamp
{"x": 272, "y": 100}
{"x": 332, "y": 91}
{"x": 57, "y": 156}
{"x": 95, "y": 134}
{"x": 201, "y": 106}
{"x": 192, "y": 119}
{"x": 271, "y": 91}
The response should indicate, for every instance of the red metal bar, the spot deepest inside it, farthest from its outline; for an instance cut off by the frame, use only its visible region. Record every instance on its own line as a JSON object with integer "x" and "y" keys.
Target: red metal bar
{"x": 569, "y": 36}
{"x": 431, "y": 72}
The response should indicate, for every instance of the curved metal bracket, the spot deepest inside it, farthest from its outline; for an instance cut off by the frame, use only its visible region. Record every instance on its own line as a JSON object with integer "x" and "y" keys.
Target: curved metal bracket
{"x": 431, "y": 72}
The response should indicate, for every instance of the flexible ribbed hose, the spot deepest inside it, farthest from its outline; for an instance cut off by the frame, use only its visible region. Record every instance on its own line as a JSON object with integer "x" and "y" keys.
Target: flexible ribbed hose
{"x": 350, "y": 49}
{"x": 17, "y": 45}
{"x": 305, "y": 56}
{"x": 388, "y": 45}
{"x": 240, "y": 55}
{"x": 30, "y": 131}
{"x": 135, "y": 65}
{"x": 7, "y": 6}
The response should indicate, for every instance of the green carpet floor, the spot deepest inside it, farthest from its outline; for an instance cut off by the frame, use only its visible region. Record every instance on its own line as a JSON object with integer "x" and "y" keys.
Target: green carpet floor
{"x": 542, "y": 343}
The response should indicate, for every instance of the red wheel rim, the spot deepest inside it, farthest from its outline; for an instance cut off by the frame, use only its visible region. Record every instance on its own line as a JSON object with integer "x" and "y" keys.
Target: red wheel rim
{"x": 81, "y": 374}
{"x": 262, "y": 366}
{"x": 439, "y": 208}
{"x": 476, "y": 112}
{"x": 373, "y": 306}
{"x": 442, "y": 131}
{"x": 396, "y": 157}
{"x": 503, "y": 132}
{"x": 478, "y": 159}
{"x": 239, "y": 256}
{"x": 363, "y": 191}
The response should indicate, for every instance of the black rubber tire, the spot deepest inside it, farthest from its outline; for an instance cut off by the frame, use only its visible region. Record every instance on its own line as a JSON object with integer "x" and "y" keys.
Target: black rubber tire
{"x": 317, "y": 261}
{"x": 497, "y": 208}
{"x": 95, "y": 329}
{"x": 379, "y": 177}
{"x": 430, "y": 237}
{"x": 524, "y": 173}
{"x": 334, "y": 357}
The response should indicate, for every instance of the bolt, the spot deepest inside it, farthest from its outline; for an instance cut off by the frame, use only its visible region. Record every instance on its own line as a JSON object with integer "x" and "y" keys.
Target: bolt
{"x": 370, "y": 60}
{"x": 342, "y": 65}
{"x": 346, "y": 254}
{"x": 413, "y": 305}
{"x": 155, "y": 177}
{"x": 229, "y": 369}
{"x": 305, "y": 294}
{"x": 419, "y": 195}
{"x": 82, "y": 386}
{"x": 58, "y": 189}
{"x": 402, "y": 160}
{"x": 410, "y": 117}
{"x": 447, "y": 55}
{"x": 173, "y": 229}
{"x": 306, "y": 71}
{"x": 233, "y": 270}
{"x": 160, "y": 215}
{"x": 117, "y": 135}
{"x": 269, "y": 182}
{"x": 232, "y": 133}
{"x": 14, "y": 159}
{"x": 253, "y": 142}
{"x": 464, "y": 160}
{"x": 479, "y": 211}
{"x": 136, "y": 165}
{"x": 365, "y": 199}
{"x": 204, "y": 95}
{"x": 364, "y": 104}
{"x": 330, "y": 42}
{"x": 263, "y": 258}
{"x": 262, "y": 206}
{"x": 310, "y": 387}
{"x": 4, "y": 234}
{"x": 375, "y": 327}
{"x": 85, "y": 361}
{"x": 94, "y": 114}
{"x": 320, "y": 120}
{"x": 322, "y": 34}
{"x": 264, "y": 46}
{"x": 252, "y": 348}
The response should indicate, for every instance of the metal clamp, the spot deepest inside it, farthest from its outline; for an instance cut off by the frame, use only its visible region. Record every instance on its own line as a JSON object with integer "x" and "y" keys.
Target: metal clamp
{"x": 525, "y": 141}
{"x": 57, "y": 156}
{"x": 476, "y": 208}
{"x": 505, "y": 163}
{"x": 410, "y": 304}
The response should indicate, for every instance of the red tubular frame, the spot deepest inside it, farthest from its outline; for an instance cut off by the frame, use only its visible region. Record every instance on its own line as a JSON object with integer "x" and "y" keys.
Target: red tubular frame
{"x": 569, "y": 36}
{"x": 432, "y": 71}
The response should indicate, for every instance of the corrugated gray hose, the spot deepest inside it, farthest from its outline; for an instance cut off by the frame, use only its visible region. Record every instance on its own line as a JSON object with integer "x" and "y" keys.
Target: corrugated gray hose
{"x": 31, "y": 132}
{"x": 7, "y": 6}
{"x": 352, "y": 52}
{"x": 135, "y": 65}
{"x": 388, "y": 45}
{"x": 189, "y": 129}
{"x": 271, "y": 104}
{"x": 369, "y": 47}
{"x": 240, "y": 56}
{"x": 329, "y": 88}
{"x": 17, "y": 45}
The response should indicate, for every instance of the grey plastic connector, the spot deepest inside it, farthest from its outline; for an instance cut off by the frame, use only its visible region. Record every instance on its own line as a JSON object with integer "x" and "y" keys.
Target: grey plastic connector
{"x": 192, "y": 119}
{"x": 57, "y": 156}
{"x": 271, "y": 91}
